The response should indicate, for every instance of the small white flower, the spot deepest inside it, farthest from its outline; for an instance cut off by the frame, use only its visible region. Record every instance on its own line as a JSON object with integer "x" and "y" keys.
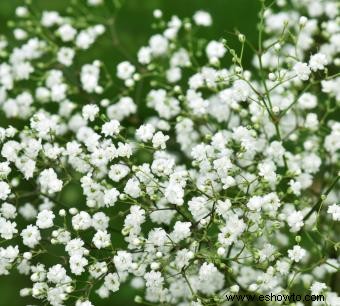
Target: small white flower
{"x": 144, "y": 55}
{"x": 215, "y": 49}
{"x": 8, "y": 211}
{"x": 145, "y": 132}
{"x": 317, "y": 288}
{"x": 65, "y": 56}
{"x": 334, "y": 210}
{"x": 45, "y": 219}
{"x": 122, "y": 261}
{"x": 7, "y": 229}
{"x": 117, "y": 172}
{"x": 159, "y": 140}
{"x": 125, "y": 70}
{"x": 77, "y": 264}
{"x": 318, "y": 61}
{"x": 295, "y": 221}
{"x": 111, "y": 128}
{"x": 111, "y": 197}
{"x": 153, "y": 279}
{"x": 50, "y": 18}
{"x": 297, "y": 253}
{"x": 101, "y": 239}
{"x": 302, "y": 71}
{"x": 111, "y": 282}
{"x": 85, "y": 302}
{"x": 202, "y": 18}
{"x": 4, "y": 190}
{"x": 31, "y": 236}
{"x": 49, "y": 181}
{"x": 181, "y": 231}
{"x": 56, "y": 274}
{"x": 81, "y": 221}
{"x": 90, "y": 111}
{"x": 158, "y": 44}
{"x": 67, "y": 32}
{"x": 94, "y": 3}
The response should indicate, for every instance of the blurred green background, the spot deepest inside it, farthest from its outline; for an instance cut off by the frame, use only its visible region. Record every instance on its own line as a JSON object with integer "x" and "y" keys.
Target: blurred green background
{"x": 134, "y": 28}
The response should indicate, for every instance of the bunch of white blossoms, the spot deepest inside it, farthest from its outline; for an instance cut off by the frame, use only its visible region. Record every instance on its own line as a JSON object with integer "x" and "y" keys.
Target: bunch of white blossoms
{"x": 228, "y": 183}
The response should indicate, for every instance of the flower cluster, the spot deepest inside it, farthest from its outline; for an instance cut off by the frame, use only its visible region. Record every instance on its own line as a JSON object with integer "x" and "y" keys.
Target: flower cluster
{"x": 228, "y": 183}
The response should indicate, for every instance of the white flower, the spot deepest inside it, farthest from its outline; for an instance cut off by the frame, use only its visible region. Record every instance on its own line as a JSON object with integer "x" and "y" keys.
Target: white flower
{"x": 334, "y": 210}
{"x": 307, "y": 101}
{"x": 20, "y": 34}
{"x": 7, "y": 229}
{"x": 45, "y": 219}
{"x": 302, "y": 71}
{"x": 4, "y": 190}
{"x": 295, "y": 221}
{"x": 153, "y": 279}
{"x": 145, "y": 132}
{"x": 8, "y": 211}
{"x": 77, "y": 264}
{"x": 318, "y": 61}
{"x": 74, "y": 246}
{"x": 312, "y": 121}
{"x": 98, "y": 269}
{"x": 50, "y": 18}
{"x": 28, "y": 211}
{"x": 125, "y": 70}
{"x": 85, "y": 302}
{"x": 89, "y": 77}
{"x": 111, "y": 282}
{"x": 90, "y": 111}
{"x": 196, "y": 81}
{"x": 232, "y": 230}
{"x": 65, "y": 56}
{"x": 4, "y": 169}
{"x": 283, "y": 267}
{"x": 122, "y": 261}
{"x": 158, "y": 44}
{"x": 159, "y": 140}
{"x": 144, "y": 55}
{"x": 49, "y": 181}
{"x": 297, "y": 253}
{"x": 317, "y": 288}
{"x": 180, "y": 58}
{"x": 202, "y": 18}
{"x": 81, "y": 221}
{"x": 240, "y": 91}
{"x": 67, "y": 32}
{"x": 295, "y": 186}
{"x": 215, "y": 49}
{"x": 94, "y": 3}
{"x": 56, "y": 274}
{"x": 181, "y": 231}
{"x": 8, "y": 256}
{"x": 255, "y": 203}
{"x": 110, "y": 197}
{"x": 132, "y": 188}
{"x": 211, "y": 280}
{"x": 118, "y": 172}
{"x": 174, "y": 74}
{"x": 222, "y": 207}
{"x": 111, "y": 128}
{"x": 21, "y": 11}
{"x": 158, "y": 237}
{"x": 31, "y": 236}
{"x": 101, "y": 239}
{"x": 100, "y": 221}
{"x": 199, "y": 207}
